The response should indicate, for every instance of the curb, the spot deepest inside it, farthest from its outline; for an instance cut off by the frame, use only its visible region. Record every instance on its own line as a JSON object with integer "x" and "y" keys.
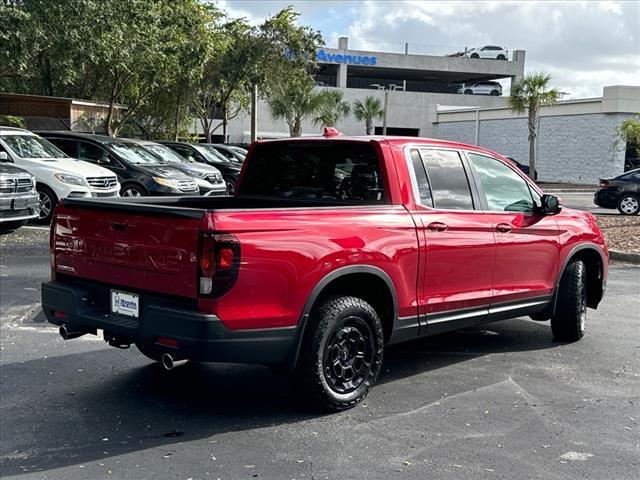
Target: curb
{"x": 625, "y": 256}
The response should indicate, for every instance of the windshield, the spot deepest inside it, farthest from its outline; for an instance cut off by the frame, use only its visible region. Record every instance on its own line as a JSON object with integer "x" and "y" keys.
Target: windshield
{"x": 165, "y": 153}
{"x": 240, "y": 150}
{"x": 135, "y": 154}
{"x": 211, "y": 154}
{"x": 30, "y": 146}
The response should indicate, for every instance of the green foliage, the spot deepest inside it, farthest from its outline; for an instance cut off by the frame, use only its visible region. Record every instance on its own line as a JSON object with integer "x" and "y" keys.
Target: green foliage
{"x": 368, "y": 110}
{"x": 165, "y": 60}
{"x": 628, "y": 132}
{"x": 293, "y": 100}
{"x": 332, "y": 109}
{"x": 12, "y": 121}
{"x": 530, "y": 94}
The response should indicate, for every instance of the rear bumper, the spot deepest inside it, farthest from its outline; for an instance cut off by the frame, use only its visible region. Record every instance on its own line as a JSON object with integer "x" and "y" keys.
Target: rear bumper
{"x": 199, "y": 336}
{"x": 606, "y": 198}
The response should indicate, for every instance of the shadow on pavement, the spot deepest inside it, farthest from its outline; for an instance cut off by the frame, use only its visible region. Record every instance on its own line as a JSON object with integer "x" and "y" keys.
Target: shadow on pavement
{"x": 78, "y": 408}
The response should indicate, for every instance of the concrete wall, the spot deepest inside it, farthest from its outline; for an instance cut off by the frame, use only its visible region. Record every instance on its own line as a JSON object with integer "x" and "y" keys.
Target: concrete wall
{"x": 571, "y": 148}
{"x": 406, "y": 109}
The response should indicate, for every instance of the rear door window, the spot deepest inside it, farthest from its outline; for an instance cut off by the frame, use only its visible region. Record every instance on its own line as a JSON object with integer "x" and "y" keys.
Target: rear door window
{"x": 422, "y": 182}
{"x": 448, "y": 179}
{"x": 320, "y": 170}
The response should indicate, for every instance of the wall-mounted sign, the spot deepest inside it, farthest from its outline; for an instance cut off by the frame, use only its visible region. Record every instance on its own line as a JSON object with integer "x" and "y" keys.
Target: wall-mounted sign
{"x": 323, "y": 56}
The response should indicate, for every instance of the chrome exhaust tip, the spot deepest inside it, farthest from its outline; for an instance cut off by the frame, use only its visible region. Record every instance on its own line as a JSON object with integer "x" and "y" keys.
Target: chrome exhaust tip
{"x": 67, "y": 334}
{"x": 169, "y": 362}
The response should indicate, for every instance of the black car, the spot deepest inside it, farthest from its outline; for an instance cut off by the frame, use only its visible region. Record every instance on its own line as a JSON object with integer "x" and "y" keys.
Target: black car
{"x": 205, "y": 153}
{"x": 208, "y": 177}
{"x": 621, "y": 192}
{"x": 139, "y": 172}
{"x": 524, "y": 168}
{"x": 228, "y": 152}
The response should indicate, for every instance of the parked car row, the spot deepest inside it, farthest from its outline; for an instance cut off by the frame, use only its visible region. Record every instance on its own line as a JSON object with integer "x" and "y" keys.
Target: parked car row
{"x": 79, "y": 165}
{"x": 621, "y": 192}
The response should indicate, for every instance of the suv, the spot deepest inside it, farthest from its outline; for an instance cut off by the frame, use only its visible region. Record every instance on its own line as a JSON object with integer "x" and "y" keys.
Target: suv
{"x": 205, "y": 153}
{"x": 331, "y": 249}
{"x": 208, "y": 178}
{"x": 488, "y": 51}
{"x": 19, "y": 201}
{"x": 57, "y": 175}
{"x": 483, "y": 88}
{"x": 140, "y": 172}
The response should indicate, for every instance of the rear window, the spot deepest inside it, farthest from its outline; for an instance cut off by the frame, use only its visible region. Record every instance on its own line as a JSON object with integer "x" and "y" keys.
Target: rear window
{"x": 320, "y": 170}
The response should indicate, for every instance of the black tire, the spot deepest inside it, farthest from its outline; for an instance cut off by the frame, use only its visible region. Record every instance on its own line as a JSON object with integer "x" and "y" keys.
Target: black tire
{"x": 8, "y": 226}
{"x": 132, "y": 190}
{"x": 468, "y": 91}
{"x": 341, "y": 354}
{"x": 569, "y": 320}
{"x": 48, "y": 202}
{"x": 231, "y": 186}
{"x": 501, "y": 57}
{"x": 629, "y": 204}
{"x": 154, "y": 355}
{"x": 475, "y": 55}
{"x": 495, "y": 93}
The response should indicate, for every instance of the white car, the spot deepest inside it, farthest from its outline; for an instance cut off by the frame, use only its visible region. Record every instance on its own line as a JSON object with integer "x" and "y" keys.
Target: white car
{"x": 488, "y": 51}
{"x": 483, "y": 88}
{"x": 57, "y": 175}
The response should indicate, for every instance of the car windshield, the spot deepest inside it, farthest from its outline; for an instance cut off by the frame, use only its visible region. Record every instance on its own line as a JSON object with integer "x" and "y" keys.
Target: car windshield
{"x": 31, "y": 146}
{"x": 211, "y": 154}
{"x": 165, "y": 153}
{"x": 240, "y": 150}
{"x": 135, "y": 154}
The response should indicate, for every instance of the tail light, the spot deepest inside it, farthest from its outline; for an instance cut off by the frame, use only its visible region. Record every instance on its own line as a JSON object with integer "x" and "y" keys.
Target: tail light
{"x": 218, "y": 263}
{"x": 604, "y": 184}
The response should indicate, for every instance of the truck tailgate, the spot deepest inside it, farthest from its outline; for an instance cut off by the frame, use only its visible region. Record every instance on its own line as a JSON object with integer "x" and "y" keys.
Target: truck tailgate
{"x": 122, "y": 248}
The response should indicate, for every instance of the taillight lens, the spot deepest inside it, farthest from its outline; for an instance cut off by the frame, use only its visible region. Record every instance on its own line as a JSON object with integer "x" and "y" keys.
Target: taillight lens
{"x": 604, "y": 184}
{"x": 219, "y": 262}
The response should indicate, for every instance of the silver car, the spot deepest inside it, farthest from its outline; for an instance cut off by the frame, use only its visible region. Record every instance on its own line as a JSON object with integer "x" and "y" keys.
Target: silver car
{"x": 19, "y": 201}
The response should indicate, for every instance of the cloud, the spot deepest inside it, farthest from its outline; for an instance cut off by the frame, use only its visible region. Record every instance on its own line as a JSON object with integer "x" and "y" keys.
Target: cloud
{"x": 583, "y": 45}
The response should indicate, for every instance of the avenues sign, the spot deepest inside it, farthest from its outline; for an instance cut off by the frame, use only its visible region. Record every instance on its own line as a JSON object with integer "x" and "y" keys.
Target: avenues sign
{"x": 323, "y": 56}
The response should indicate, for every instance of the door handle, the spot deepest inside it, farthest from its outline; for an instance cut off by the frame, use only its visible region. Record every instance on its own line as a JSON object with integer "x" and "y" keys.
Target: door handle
{"x": 437, "y": 227}
{"x": 504, "y": 228}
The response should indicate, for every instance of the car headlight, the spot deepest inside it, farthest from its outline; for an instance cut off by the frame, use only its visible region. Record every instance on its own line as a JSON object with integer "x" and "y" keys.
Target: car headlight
{"x": 167, "y": 182}
{"x": 70, "y": 179}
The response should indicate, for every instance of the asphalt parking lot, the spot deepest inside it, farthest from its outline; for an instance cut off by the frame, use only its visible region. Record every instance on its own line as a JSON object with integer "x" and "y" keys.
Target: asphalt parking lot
{"x": 504, "y": 402}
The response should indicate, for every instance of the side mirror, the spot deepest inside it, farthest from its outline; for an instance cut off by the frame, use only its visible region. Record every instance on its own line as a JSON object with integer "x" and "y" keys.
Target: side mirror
{"x": 551, "y": 204}
{"x": 4, "y": 157}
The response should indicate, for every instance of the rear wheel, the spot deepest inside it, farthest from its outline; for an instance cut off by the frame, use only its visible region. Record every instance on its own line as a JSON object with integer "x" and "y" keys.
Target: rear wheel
{"x": 475, "y": 55}
{"x": 569, "y": 320}
{"x": 341, "y": 354}
{"x": 501, "y": 57}
{"x": 495, "y": 93}
{"x": 629, "y": 204}
{"x": 48, "y": 201}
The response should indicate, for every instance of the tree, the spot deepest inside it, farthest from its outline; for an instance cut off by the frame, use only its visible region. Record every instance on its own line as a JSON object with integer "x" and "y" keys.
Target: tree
{"x": 627, "y": 135}
{"x": 530, "y": 94}
{"x": 294, "y": 100}
{"x": 367, "y": 111}
{"x": 332, "y": 109}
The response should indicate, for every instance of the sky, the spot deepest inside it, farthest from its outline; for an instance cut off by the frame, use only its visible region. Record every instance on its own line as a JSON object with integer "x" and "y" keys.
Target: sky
{"x": 582, "y": 45}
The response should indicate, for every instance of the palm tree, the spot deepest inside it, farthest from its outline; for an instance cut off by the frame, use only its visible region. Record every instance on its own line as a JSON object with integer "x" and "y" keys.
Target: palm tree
{"x": 368, "y": 110}
{"x": 332, "y": 110}
{"x": 293, "y": 100}
{"x": 530, "y": 93}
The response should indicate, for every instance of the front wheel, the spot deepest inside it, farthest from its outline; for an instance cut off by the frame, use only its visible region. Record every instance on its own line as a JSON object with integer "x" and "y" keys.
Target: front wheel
{"x": 341, "y": 354}
{"x": 629, "y": 204}
{"x": 48, "y": 202}
{"x": 569, "y": 320}
{"x": 132, "y": 191}
{"x": 468, "y": 91}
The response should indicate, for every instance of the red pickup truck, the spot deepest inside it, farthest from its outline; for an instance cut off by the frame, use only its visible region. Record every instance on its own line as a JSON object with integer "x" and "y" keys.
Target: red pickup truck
{"x": 331, "y": 249}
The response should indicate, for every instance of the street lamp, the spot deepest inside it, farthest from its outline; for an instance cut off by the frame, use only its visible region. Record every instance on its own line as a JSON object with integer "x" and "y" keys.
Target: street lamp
{"x": 386, "y": 102}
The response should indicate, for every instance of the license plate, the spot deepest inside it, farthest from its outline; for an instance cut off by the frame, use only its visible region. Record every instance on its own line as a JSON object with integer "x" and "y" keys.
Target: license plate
{"x": 124, "y": 303}
{"x": 20, "y": 203}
